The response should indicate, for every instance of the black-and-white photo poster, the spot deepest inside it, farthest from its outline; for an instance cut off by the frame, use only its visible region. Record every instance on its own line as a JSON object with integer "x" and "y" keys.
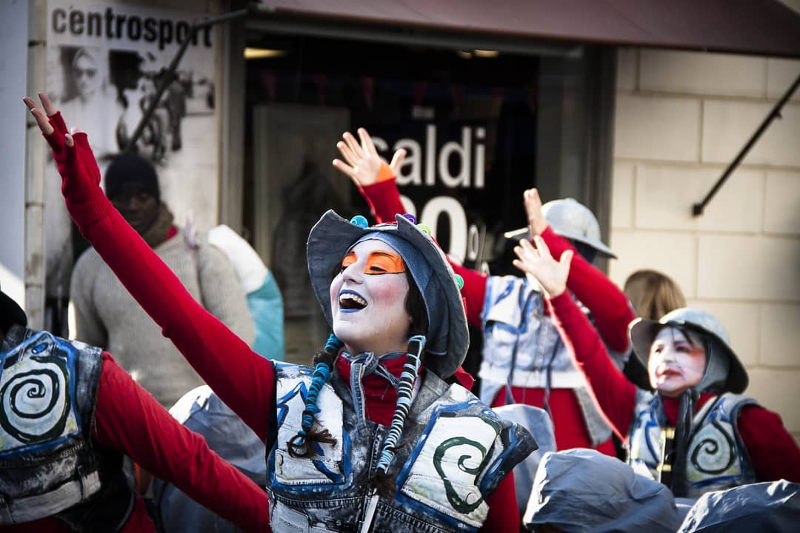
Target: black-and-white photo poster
{"x": 105, "y": 62}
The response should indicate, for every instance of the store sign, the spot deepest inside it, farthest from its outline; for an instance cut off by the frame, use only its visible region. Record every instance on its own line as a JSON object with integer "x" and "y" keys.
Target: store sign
{"x": 105, "y": 61}
{"x": 442, "y": 176}
{"x": 423, "y": 166}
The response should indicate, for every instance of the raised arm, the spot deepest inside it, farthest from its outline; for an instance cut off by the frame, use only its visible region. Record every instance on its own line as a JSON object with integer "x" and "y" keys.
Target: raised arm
{"x": 609, "y": 306}
{"x": 237, "y": 374}
{"x": 376, "y": 182}
{"x": 374, "y": 177}
{"x": 614, "y": 394}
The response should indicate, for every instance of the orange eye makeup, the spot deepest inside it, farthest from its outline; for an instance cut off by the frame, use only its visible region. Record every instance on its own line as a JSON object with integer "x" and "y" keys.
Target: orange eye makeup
{"x": 378, "y": 262}
{"x": 383, "y": 262}
{"x": 349, "y": 259}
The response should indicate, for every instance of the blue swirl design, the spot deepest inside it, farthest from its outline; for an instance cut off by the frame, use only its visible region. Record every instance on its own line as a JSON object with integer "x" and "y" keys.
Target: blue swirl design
{"x": 30, "y": 401}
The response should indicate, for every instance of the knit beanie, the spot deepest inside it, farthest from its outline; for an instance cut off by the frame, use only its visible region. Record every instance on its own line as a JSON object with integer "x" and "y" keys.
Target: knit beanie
{"x": 131, "y": 173}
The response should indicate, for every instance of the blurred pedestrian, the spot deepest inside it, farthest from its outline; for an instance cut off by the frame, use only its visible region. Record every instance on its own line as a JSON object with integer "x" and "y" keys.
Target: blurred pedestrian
{"x": 263, "y": 295}
{"x": 107, "y": 316}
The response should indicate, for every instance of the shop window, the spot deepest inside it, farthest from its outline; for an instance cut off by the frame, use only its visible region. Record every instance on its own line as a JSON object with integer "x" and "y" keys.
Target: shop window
{"x": 479, "y": 129}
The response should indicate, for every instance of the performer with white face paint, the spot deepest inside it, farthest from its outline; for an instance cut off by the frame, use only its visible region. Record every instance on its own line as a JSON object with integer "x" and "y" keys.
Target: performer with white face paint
{"x": 677, "y": 361}
{"x": 368, "y": 299}
{"x": 523, "y": 359}
{"x": 695, "y": 433}
{"x": 377, "y": 436}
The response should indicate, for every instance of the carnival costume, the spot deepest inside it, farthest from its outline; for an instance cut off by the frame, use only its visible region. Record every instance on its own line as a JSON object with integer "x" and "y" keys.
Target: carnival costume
{"x": 524, "y": 358}
{"x": 709, "y": 438}
{"x": 330, "y": 423}
{"x": 68, "y": 414}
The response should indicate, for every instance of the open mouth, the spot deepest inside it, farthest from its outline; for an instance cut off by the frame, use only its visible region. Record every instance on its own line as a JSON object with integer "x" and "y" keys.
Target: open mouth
{"x": 668, "y": 373}
{"x": 351, "y": 301}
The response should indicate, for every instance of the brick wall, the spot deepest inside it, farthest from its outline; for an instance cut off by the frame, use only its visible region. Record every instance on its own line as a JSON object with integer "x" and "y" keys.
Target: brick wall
{"x": 681, "y": 118}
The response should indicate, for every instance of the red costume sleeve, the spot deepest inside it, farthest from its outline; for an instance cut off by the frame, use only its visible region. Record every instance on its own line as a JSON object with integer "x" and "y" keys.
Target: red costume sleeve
{"x": 503, "y": 511}
{"x": 615, "y": 395}
{"x": 772, "y": 449}
{"x": 236, "y": 373}
{"x": 609, "y": 306}
{"x": 129, "y": 420}
{"x": 384, "y": 200}
{"x": 474, "y": 292}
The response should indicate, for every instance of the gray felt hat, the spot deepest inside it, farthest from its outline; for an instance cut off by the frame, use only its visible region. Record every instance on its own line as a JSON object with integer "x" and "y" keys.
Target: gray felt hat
{"x": 448, "y": 336}
{"x": 572, "y": 220}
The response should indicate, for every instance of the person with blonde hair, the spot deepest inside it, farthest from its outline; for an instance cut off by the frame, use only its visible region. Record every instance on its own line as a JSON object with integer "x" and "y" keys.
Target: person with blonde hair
{"x": 653, "y": 294}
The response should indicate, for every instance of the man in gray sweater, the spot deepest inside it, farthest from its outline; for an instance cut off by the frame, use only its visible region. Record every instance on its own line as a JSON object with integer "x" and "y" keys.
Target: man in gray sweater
{"x": 108, "y": 317}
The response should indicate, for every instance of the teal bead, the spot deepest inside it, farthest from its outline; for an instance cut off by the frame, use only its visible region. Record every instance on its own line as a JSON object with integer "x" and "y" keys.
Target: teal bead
{"x": 459, "y": 281}
{"x": 359, "y": 221}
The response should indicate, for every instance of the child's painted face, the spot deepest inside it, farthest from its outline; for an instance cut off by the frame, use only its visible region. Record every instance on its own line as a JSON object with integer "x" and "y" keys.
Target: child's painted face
{"x": 676, "y": 362}
{"x": 368, "y": 299}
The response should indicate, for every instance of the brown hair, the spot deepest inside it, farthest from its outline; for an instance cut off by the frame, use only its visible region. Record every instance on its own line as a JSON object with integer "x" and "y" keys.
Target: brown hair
{"x": 653, "y": 294}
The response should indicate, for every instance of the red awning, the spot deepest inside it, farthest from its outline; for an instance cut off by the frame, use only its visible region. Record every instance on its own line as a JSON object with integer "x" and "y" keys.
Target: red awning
{"x": 763, "y": 27}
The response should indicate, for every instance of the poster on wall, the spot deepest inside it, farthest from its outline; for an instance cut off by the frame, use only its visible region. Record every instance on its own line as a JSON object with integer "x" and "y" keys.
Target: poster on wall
{"x": 104, "y": 63}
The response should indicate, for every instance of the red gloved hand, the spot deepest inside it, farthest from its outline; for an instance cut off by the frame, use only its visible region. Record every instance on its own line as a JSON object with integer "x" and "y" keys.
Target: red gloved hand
{"x": 75, "y": 160}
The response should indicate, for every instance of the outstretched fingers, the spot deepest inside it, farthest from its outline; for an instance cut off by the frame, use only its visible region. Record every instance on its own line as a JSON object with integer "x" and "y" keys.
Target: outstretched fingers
{"x": 541, "y": 247}
{"x": 49, "y": 120}
{"x": 533, "y": 209}
{"x": 538, "y": 262}
{"x": 41, "y": 119}
{"x": 353, "y": 145}
{"x": 366, "y": 142}
{"x": 532, "y": 201}
{"x": 397, "y": 161}
{"x": 526, "y": 256}
{"x": 48, "y": 106}
{"x": 347, "y": 153}
{"x": 344, "y": 167}
{"x": 566, "y": 259}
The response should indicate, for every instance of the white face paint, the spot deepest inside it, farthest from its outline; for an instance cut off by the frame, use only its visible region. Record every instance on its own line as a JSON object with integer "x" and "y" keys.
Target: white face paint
{"x": 368, "y": 299}
{"x": 675, "y": 363}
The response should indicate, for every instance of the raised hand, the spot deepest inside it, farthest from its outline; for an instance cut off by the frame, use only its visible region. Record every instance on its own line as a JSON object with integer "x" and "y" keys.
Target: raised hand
{"x": 539, "y": 263}
{"x": 533, "y": 208}
{"x": 71, "y": 150}
{"x": 361, "y": 161}
{"x": 50, "y": 123}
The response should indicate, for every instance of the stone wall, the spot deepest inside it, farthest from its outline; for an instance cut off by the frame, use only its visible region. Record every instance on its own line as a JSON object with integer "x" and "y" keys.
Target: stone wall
{"x": 681, "y": 118}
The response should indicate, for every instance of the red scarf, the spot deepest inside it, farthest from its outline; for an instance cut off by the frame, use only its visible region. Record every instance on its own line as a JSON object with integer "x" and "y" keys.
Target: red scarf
{"x": 380, "y": 397}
